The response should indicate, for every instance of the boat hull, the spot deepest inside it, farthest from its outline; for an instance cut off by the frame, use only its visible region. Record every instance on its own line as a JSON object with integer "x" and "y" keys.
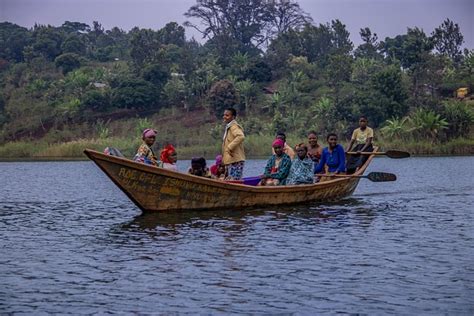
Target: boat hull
{"x": 157, "y": 189}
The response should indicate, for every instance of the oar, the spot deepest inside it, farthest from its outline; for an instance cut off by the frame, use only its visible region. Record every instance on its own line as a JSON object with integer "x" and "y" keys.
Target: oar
{"x": 373, "y": 176}
{"x": 396, "y": 154}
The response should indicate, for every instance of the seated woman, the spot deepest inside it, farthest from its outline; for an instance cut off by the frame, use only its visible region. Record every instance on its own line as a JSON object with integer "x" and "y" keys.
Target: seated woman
{"x": 314, "y": 149}
{"x": 169, "y": 157}
{"x": 286, "y": 148}
{"x": 220, "y": 173}
{"x": 333, "y": 157}
{"x": 301, "y": 171}
{"x": 198, "y": 168}
{"x": 278, "y": 166}
{"x": 144, "y": 153}
{"x": 216, "y": 165}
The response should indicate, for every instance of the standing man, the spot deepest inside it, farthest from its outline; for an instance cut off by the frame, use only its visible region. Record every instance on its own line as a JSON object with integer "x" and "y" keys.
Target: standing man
{"x": 233, "y": 155}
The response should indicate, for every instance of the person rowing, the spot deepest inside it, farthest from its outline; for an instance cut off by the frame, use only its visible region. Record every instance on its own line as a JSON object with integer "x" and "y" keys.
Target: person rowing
{"x": 362, "y": 137}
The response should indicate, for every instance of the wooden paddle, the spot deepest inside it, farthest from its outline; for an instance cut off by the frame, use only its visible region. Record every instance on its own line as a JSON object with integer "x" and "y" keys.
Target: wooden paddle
{"x": 373, "y": 176}
{"x": 396, "y": 154}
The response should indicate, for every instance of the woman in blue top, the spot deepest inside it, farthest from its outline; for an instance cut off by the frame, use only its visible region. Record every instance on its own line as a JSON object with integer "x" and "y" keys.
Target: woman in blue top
{"x": 333, "y": 156}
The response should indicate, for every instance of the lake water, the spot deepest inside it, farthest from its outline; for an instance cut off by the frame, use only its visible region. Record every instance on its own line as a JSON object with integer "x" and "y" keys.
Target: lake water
{"x": 71, "y": 242}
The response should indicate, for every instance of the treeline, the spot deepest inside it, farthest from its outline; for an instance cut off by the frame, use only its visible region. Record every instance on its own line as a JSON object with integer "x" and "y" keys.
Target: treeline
{"x": 268, "y": 59}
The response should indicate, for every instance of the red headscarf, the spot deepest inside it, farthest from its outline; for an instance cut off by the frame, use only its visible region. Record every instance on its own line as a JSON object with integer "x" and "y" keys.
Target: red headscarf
{"x": 166, "y": 153}
{"x": 278, "y": 142}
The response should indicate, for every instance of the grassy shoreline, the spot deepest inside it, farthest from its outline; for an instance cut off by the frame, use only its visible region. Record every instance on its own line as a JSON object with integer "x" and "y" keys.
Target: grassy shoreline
{"x": 257, "y": 146}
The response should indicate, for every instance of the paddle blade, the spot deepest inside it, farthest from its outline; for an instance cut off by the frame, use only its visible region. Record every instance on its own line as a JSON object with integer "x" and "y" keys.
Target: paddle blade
{"x": 397, "y": 154}
{"x": 381, "y": 177}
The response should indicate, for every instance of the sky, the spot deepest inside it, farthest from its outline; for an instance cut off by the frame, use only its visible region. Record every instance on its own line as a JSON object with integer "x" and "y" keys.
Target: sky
{"x": 387, "y": 18}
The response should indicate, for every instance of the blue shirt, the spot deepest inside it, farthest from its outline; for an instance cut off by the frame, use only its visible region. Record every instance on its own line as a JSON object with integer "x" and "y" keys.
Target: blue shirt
{"x": 335, "y": 160}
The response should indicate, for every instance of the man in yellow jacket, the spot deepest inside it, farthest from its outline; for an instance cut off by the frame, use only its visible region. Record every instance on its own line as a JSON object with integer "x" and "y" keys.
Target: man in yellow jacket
{"x": 233, "y": 155}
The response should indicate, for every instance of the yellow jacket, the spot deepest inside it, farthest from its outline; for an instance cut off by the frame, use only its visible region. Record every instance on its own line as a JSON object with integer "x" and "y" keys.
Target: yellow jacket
{"x": 233, "y": 144}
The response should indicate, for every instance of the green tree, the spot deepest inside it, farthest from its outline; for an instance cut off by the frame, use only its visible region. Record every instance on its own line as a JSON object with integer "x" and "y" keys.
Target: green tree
{"x": 247, "y": 92}
{"x": 13, "y": 40}
{"x": 96, "y": 101}
{"x": 67, "y": 62}
{"x": 222, "y": 95}
{"x": 460, "y": 117}
{"x": 74, "y": 44}
{"x": 448, "y": 39}
{"x": 47, "y": 41}
{"x": 135, "y": 93}
{"x": 369, "y": 48}
{"x": 156, "y": 74}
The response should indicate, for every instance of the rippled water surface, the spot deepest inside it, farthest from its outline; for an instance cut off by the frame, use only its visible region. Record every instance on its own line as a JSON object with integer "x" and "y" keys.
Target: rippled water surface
{"x": 70, "y": 241}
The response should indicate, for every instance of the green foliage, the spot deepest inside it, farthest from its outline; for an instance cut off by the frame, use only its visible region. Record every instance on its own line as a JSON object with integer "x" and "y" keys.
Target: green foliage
{"x": 427, "y": 124}
{"x": 74, "y": 44}
{"x": 248, "y": 92}
{"x": 67, "y": 62}
{"x": 447, "y": 39}
{"x": 396, "y": 128}
{"x": 55, "y": 81}
{"x": 141, "y": 125}
{"x": 175, "y": 91}
{"x": 221, "y": 96}
{"x": 135, "y": 94}
{"x": 13, "y": 40}
{"x": 101, "y": 129}
{"x": 156, "y": 74}
{"x": 96, "y": 100}
{"x": 460, "y": 116}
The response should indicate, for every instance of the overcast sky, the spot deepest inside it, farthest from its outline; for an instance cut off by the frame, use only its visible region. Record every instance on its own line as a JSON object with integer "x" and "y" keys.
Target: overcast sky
{"x": 384, "y": 17}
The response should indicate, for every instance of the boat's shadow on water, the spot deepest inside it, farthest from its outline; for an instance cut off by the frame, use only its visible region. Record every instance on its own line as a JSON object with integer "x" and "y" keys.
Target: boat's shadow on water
{"x": 238, "y": 218}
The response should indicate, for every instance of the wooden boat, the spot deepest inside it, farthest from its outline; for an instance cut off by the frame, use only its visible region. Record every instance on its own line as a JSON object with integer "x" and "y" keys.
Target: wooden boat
{"x": 157, "y": 189}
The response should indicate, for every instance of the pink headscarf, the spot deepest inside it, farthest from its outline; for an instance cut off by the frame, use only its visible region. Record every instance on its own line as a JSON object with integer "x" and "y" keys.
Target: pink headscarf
{"x": 149, "y": 133}
{"x": 278, "y": 142}
{"x": 215, "y": 166}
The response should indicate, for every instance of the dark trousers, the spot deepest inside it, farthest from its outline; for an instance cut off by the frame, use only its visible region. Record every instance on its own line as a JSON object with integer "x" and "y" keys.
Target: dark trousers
{"x": 356, "y": 161}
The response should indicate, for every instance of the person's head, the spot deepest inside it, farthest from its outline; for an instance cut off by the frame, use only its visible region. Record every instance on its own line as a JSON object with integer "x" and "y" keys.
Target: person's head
{"x": 363, "y": 122}
{"x": 198, "y": 165}
{"x": 301, "y": 151}
{"x": 313, "y": 139}
{"x": 149, "y": 136}
{"x": 221, "y": 169}
{"x": 278, "y": 145}
{"x": 218, "y": 159}
{"x": 168, "y": 154}
{"x": 229, "y": 115}
{"x": 281, "y": 136}
{"x": 332, "y": 140}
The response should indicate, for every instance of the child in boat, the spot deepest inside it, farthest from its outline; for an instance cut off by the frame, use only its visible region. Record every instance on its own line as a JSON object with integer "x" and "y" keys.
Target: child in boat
{"x": 198, "y": 168}
{"x": 362, "y": 137}
{"x": 333, "y": 157}
{"x": 301, "y": 171}
{"x": 145, "y": 153}
{"x": 314, "y": 149}
{"x": 169, "y": 157}
{"x": 278, "y": 166}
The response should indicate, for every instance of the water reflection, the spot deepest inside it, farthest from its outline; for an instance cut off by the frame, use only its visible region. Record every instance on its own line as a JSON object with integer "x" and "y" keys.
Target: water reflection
{"x": 156, "y": 223}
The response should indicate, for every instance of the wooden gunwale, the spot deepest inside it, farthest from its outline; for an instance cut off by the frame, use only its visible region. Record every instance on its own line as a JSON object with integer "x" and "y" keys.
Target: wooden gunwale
{"x": 99, "y": 158}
